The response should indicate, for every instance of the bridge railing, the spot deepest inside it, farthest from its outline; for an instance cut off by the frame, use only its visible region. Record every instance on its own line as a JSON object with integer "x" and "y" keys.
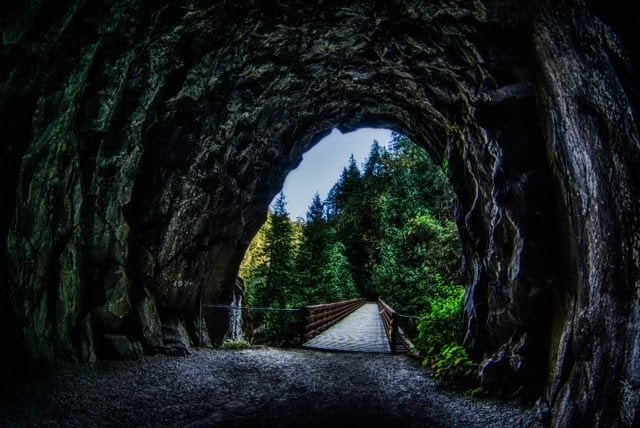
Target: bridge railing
{"x": 391, "y": 319}
{"x": 318, "y": 318}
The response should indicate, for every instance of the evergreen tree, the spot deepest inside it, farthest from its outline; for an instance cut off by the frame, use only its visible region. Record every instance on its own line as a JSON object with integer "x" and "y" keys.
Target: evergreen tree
{"x": 419, "y": 259}
{"x": 420, "y": 180}
{"x": 350, "y": 224}
{"x": 337, "y": 280}
{"x": 356, "y": 216}
{"x": 348, "y": 184}
{"x": 375, "y": 184}
{"x": 311, "y": 257}
{"x": 255, "y": 256}
{"x": 374, "y": 165}
{"x": 271, "y": 281}
{"x": 315, "y": 212}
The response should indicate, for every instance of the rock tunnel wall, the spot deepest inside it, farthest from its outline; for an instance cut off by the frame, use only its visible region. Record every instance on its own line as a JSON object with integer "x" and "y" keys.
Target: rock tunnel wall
{"x": 143, "y": 145}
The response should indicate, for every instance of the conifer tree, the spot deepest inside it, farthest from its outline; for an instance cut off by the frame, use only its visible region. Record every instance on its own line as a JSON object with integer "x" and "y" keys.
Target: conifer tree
{"x": 374, "y": 165}
{"x": 271, "y": 281}
{"x": 356, "y": 216}
{"x": 311, "y": 257}
{"x": 341, "y": 192}
{"x": 419, "y": 251}
{"x": 337, "y": 281}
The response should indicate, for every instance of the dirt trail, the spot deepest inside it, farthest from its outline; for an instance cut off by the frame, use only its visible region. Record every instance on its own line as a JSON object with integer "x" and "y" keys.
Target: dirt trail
{"x": 248, "y": 388}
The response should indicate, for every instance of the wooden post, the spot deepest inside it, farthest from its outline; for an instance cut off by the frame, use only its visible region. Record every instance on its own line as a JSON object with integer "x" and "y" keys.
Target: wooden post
{"x": 304, "y": 315}
{"x": 394, "y": 332}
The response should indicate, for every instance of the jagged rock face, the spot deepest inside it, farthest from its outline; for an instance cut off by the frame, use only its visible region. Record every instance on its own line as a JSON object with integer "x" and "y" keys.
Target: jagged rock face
{"x": 143, "y": 145}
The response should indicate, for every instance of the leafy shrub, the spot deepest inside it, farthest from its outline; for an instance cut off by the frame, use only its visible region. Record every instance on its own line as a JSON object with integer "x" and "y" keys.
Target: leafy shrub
{"x": 236, "y": 344}
{"x": 275, "y": 328}
{"x": 442, "y": 325}
{"x": 439, "y": 333}
{"x": 453, "y": 364}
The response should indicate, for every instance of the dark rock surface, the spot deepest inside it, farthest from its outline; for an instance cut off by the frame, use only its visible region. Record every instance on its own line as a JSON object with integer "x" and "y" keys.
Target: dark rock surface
{"x": 119, "y": 347}
{"x": 176, "y": 340}
{"x": 251, "y": 388}
{"x": 143, "y": 144}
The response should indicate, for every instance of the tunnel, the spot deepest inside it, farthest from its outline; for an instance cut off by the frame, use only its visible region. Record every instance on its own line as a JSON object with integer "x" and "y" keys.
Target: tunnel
{"x": 144, "y": 143}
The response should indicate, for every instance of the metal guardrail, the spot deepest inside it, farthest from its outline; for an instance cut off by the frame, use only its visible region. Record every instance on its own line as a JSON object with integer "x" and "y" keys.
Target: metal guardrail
{"x": 318, "y": 318}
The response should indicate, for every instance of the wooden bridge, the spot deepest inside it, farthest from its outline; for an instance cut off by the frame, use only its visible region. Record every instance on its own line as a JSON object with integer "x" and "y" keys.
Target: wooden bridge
{"x": 353, "y": 325}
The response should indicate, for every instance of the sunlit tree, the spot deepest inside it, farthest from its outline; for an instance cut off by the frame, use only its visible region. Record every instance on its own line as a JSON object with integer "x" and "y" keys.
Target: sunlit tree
{"x": 270, "y": 279}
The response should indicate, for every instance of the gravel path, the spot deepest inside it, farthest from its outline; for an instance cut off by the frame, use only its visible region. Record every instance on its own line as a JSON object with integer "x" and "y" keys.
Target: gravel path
{"x": 249, "y": 388}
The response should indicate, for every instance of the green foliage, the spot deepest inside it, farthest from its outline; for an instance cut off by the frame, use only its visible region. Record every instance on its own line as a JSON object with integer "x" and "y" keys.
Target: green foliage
{"x": 349, "y": 215}
{"x": 311, "y": 255}
{"x": 291, "y": 265}
{"x": 275, "y": 328}
{"x": 453, "y": 364}
{"x": 322, "y": 268}
{"x": 236, "y": 344}
{"x": 353, "y": 208}
{"x": 477, "y": 392}
{"x": 255, "y": 256}
{"x": 269, "y": 270}
{"x": 347, "y": 185}
{"x": 439, "y": 337}
{"x": 442, "y": 325}
{"x": 419, "y": 253}
{"x": 385, "y": 231}
{"x": 337, "y": 280}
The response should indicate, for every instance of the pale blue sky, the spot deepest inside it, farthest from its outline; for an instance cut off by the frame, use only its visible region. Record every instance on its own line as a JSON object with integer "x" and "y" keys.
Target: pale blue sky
{"x": 321, "y": 166}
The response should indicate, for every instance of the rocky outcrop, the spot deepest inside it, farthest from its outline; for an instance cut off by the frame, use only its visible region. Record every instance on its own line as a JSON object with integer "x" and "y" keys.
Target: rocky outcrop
{"x": 119, "y": 347}
{"x": 589, "y": 112}
{"x": 144, "y": 143}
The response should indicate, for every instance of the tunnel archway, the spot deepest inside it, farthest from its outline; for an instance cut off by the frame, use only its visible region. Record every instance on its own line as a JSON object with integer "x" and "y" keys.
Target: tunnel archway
{"x": 150, "y": 141}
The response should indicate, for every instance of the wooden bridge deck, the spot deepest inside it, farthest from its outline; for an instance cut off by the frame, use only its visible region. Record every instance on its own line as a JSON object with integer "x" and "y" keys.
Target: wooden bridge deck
{"x": 361, "y": 331}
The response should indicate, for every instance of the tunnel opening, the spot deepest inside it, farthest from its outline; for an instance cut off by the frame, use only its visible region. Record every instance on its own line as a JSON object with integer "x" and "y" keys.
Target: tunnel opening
{"x": 384, "y": 228}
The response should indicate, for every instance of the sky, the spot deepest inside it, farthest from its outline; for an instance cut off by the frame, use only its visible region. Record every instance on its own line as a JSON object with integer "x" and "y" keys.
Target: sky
{"x": 322, "y": 164}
